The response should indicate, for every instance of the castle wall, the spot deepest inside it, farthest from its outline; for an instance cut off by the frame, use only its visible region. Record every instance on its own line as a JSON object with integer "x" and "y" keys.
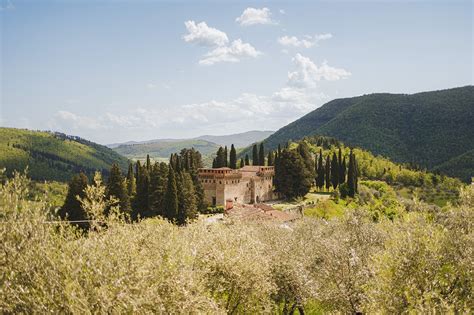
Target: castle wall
{"x": 247, "y": 185}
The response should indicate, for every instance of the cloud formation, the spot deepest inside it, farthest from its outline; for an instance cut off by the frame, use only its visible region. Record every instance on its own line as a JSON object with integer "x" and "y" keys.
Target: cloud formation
{"x": 222, "y": 51}
{"x": 298, "y": 96}
{"x": 233, "y": 53}
{"x": 306, "y": 42}
{"x": 203, "y": 35}
{"x": 307, "y": 73}
{"x": 253, "y": 16}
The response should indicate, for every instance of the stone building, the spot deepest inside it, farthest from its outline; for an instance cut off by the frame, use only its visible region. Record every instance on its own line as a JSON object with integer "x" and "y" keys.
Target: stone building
{"x": 250, "y": 184}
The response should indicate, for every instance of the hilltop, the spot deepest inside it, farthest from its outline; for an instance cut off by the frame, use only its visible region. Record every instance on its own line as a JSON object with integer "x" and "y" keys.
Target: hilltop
{"x": 53, "y": 156}
{"x": 432, "y": 130}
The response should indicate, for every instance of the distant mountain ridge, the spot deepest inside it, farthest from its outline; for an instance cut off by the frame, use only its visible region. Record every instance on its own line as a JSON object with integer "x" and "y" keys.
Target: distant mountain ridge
{"x": 430, "y": 129}
{"x": 239, "y": 140}
{"x": 54, "y": 156}
{"x": 161, "y": 149}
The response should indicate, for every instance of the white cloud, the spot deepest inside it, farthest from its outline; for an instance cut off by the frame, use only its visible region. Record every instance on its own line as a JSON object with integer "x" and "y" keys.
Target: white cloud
{"x": 307, "y": 73}
{"x": 306, "y": 42}
{"x": 282, "y": 11}
{"x": 252, "y": 16}
{"x": 222, "y": 51}
{"x": 233, "y": 53}
{"x": 204, "y": 35}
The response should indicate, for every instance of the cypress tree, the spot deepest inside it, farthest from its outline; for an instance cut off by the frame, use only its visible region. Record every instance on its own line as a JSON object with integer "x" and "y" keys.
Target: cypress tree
{"x": 356, "y": 173}
{"x": 226, "y": 160}
{"x": 255, "y": 159}
{"x": 140, "y": 204}
{"x": 131, "y": 182}
{"x": 117, "y": 188}
{"x": 148, "y": 163}
{"x": 342, "y": 171}
{"x": 334, "y": 171}
{"x": 214, "y": 163}
{"x": 292, "y": 178}
{"x": 170, "y": 210}
{"x": 327, "y": 178}
{"x": 157, "y": 190}
{"x": 233, "y": 157}
{"x": 261, "y": 155}
{"x": 187, "y": 208}
{"x": 242, "y": 163}
{"x": 320, "y": 172}
{"x": 247, "y": 160}
{"x": 72, "y": 209}
{"x": 303, "y": 150}
{"x": 350, "y": 176}
{"x": 270, "y": 158}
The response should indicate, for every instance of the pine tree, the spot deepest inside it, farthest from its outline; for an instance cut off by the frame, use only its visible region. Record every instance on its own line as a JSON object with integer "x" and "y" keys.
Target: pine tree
{"x": 261, "y": 155}
{"x": 320, "y": 171}
{"x": 334, "y": 171}
{"x": 242, "y": 163}
{"x": 327, "y": 178}
{"x": 233, "y": 157}
{"x": 247, "y": 160}
{"x": 117, "y": 188}
{"x": 72, "y": 209}
{"x": 170, "y": 210}
{"x": 270, "y": 158}
{"x": 255, "y": 159}
{"x": 131, "y": 182}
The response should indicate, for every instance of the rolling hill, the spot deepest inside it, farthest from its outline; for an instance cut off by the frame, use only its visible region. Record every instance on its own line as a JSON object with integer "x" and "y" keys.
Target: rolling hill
{"x": 207, "y": 145}
{"x": 53, "y": 156}
{"x": 430, "y": 129}
{"x": 162, "y": 149}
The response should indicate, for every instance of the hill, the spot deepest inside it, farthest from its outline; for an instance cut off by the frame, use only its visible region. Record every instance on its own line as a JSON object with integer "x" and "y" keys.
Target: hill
{"x": 53, "y": 156}
{"x": 430, "y": 129}
{"x": 207, "y": 145}
{"x": 162, "y": 149}
{"x": 239, "y": 140}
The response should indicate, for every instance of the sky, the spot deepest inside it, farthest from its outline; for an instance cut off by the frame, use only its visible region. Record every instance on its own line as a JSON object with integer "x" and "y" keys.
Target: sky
{"x": 115, "y": 71}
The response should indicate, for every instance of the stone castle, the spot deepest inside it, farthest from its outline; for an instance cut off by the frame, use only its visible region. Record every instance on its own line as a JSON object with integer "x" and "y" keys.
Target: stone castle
{"x": 249, "y": 184}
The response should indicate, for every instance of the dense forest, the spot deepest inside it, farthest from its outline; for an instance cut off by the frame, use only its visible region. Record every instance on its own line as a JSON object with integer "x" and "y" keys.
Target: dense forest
{"x": 54, "y": 156}
{"x": 432, "y": 130}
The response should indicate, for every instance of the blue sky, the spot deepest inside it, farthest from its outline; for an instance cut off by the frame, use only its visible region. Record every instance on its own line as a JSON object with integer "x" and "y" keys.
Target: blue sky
{"x": 114, "y": 71}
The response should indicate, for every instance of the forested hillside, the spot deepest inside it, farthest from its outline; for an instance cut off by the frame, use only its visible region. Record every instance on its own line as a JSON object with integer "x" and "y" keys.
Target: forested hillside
{"x": 430, "y": 129}
{"x": 162, "y": 149}
{"x": 53, "y": 156}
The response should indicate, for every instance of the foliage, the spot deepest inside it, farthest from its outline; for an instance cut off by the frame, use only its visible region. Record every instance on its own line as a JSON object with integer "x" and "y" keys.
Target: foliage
{"x": 53, "y": 156}
{"x": 421, "y": 262}
{"x": 426, "y": 129}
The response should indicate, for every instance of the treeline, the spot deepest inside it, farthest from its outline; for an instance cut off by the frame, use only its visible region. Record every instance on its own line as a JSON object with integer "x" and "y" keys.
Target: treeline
{"x": 223, "y": 159}
{"x": 296, "y": 171}
{"x": 172, "y": 191}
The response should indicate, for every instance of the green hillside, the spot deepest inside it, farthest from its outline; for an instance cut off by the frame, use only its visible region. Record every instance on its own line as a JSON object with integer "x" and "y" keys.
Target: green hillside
{"x": 162, "y": 149}
{"x": 53, "y": 156}
{"x": 430, "y": 129}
